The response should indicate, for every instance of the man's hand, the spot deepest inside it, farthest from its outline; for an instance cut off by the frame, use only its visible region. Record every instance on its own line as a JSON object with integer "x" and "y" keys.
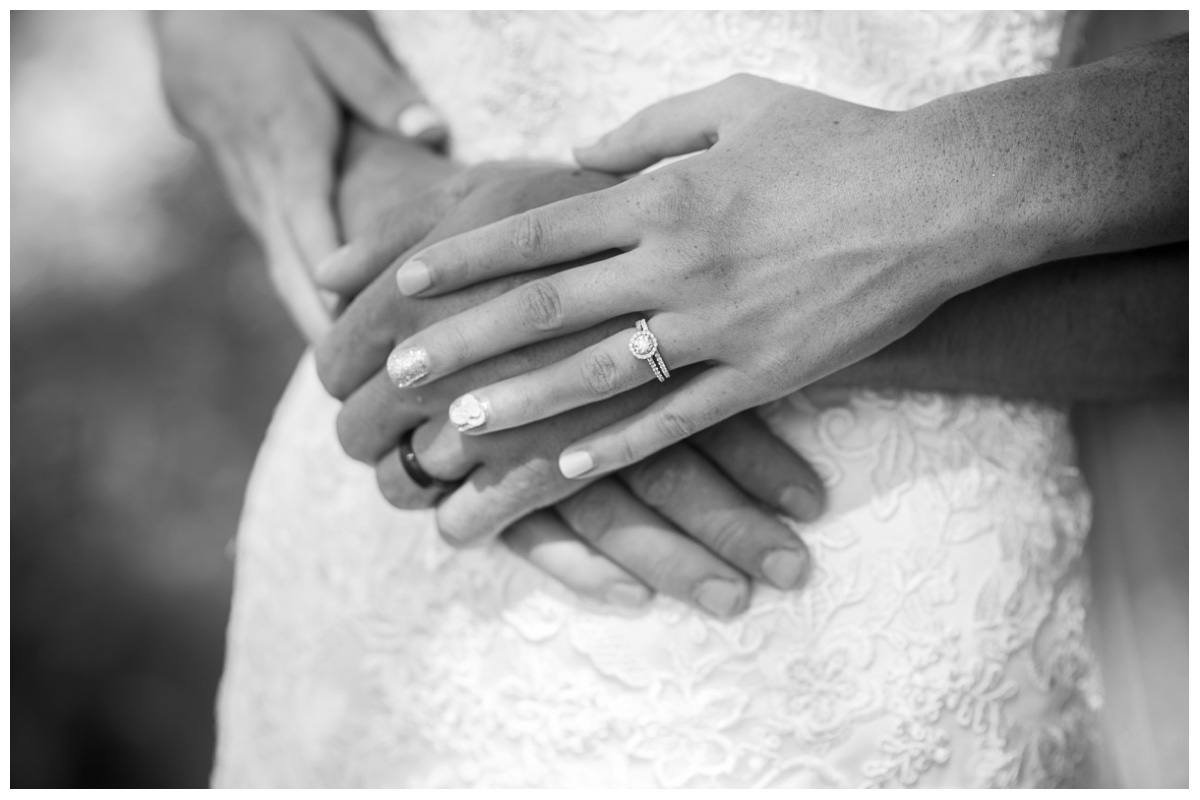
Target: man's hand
{"x": 627, "y": 519}
{"x": 263, "y": 92}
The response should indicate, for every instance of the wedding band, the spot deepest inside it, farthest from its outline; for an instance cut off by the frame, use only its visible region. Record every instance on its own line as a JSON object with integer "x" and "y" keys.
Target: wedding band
{"x": 408, "y": 460}
{"x": 644, "y": 345}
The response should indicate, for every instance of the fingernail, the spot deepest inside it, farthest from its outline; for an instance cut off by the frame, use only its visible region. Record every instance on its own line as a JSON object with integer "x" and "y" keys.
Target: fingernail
{"x": 801, "y": 502}
{"x": 412, "y": 277}
{"x": 784, "y": 568}
{"x": 406, "y": 367}
{"x": 331, "y": 264}
{"x": 469, "y": 412}
{"x": 420, "y": 121}
{"x": 630, "y": 595}
{"x": 719, "y": 596}
{"x": 572, "y": 465}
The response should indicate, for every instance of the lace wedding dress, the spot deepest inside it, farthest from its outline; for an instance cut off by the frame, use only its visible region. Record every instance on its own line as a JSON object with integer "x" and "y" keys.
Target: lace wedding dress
{"x": 941, "y": 641}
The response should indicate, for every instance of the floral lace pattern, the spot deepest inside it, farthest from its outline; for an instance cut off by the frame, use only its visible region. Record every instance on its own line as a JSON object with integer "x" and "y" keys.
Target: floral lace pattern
{"x": 940, "y": 641}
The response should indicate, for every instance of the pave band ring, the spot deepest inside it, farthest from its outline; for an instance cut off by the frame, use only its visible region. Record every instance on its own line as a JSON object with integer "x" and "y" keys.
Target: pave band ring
{"x": 408, "y": 460}
{"x": 644, "y": 345}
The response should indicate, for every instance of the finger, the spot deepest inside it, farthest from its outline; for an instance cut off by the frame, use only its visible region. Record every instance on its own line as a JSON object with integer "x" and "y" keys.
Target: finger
{"x": 241, "y": 190}
{"x": 438, "y": 453}
{"x": 376, "y": 88}
{"x": 351, "y": 268}
{"x": 564, "y": 302}
{"x": 309, "y": 310}
{"x": 676, "y": 126}
{"x": 744, "y": 448}
{"x": 688, "y": 490}
{"x": 565, "y": 231}
{"x": 371, "y": 420}
{"x": 307, "y": 199}
{"x": 618, "y": 525}
{"x": 596, "y": 373}
{"x": 546, "y": 542}
{"x": 713, "y": 395}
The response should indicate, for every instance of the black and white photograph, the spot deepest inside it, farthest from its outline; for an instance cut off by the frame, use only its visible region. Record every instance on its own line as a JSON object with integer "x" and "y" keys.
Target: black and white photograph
{"x": 599, "y": 400}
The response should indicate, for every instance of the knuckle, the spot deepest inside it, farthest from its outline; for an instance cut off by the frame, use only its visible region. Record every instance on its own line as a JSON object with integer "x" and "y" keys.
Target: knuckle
{"x": 455, "y": 343}
{"x": 590, "y": 512}
{"x": 723, "y": 533}
{"x": 624, "y": 451}
{"x": 673, "y": 426}
{"x": 673, "y": 197}
{"x": 540, "y": 306}
{"x": 527, "y": 483}
{"x": 529, "y": 236}
{"x": 600, "y": 373}
{"x": 671, "y": 573}
{"x": 660, "y": 480}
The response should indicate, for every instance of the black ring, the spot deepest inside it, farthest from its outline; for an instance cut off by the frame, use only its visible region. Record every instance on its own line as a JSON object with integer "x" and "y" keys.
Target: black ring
{"x": 408, "y": 460}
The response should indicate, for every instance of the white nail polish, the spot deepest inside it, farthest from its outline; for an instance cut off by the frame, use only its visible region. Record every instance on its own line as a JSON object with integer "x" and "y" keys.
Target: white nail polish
{"x": 469, "y": 412}
{"x": 406, "y": 367}
{"x": 418, "y": 120}
{"x": 412, "y": 277}
{"x": 573, "y": 465}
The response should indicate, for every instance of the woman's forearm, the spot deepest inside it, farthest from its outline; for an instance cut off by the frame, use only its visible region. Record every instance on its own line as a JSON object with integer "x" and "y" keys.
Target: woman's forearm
{"x": 1093, "y": 328}
{"x": 1081, "y": 161}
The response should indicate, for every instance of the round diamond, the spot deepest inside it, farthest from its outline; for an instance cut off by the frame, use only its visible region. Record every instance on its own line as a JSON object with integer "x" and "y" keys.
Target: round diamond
{"x": 642, "y": 344}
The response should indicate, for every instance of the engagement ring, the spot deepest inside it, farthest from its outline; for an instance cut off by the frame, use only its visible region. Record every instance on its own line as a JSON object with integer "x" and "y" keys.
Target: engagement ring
{"x": 644, "y": 345}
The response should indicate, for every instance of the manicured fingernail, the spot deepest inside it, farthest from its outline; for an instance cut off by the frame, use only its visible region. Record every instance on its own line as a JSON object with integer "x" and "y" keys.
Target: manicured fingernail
{"x": 406, "y": 367}
{"x": 331, "y": 265}
{"x": 784, "y": 568}
{"x": 719, "y": 596}
{"x": 412, "y": 277}
{"x": 801, "y": 502}
{"x": 630, "y": 595}
{"x": 420, "y": 121}
{"x": 573, "y": 465}
{"x": 469, "y": 412}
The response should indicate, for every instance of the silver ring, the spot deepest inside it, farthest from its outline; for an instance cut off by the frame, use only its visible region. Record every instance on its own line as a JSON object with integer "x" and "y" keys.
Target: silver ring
{"x": 644, "y": 345}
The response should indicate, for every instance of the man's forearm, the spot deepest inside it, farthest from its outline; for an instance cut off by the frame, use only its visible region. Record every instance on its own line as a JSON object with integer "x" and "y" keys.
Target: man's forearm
{"x": 1093, "y": 328}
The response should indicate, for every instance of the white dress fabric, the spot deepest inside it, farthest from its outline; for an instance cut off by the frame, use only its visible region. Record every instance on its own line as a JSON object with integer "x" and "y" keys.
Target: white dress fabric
{"x": 940, "y": 642}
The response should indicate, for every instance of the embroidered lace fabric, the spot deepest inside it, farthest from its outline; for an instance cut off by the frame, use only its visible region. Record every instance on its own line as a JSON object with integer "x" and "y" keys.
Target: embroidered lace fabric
{"x": 940, "y": 641}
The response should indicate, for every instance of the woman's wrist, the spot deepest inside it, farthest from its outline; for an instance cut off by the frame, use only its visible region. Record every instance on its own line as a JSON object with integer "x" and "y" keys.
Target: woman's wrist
{"x": 1079, "y": 162}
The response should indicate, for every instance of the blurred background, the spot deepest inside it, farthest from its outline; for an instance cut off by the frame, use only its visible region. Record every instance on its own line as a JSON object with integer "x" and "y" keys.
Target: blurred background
{"x": 147, "y": 353}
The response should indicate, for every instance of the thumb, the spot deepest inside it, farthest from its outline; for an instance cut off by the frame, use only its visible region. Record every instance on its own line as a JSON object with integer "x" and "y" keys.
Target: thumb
{"x": 673, "y": 127}
{"x": 310, "y": 312}
{"x": 676, "y": 126}
{"x": 373, "y": 86}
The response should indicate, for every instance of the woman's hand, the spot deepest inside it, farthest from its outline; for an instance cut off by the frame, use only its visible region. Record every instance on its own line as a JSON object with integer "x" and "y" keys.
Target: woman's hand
{"x": 264, "y": 92}
{"x": 811, "y": 233}
{"x": 693, "y": 522}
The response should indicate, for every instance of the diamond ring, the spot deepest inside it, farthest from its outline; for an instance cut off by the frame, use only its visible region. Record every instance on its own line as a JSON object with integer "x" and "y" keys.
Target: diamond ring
{"x": 644, "y": 345}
